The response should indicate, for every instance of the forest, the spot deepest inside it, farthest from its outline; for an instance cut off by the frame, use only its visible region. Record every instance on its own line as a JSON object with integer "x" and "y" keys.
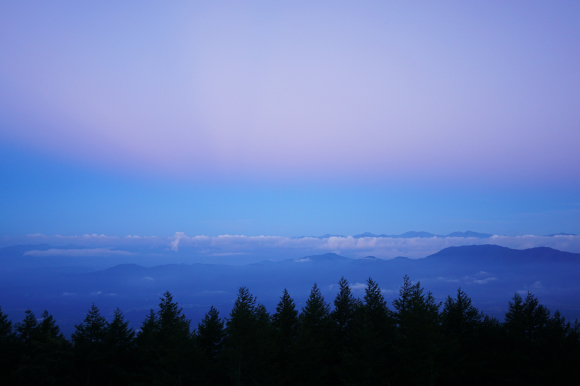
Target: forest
{"x": 413, "y": 341}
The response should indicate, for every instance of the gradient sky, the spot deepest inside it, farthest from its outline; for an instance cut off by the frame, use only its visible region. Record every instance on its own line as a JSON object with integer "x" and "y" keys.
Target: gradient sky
{"x": 289, "y": 118}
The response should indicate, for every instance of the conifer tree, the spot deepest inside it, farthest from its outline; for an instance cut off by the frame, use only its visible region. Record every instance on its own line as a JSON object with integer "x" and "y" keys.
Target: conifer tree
{"x": 526, "y": 324}
{"x": 165, "y": 345}
{"x": 45, "y": 358}
{"x": 173, "y": 340}
{"x": 210, "y": 334}
{"x": 285, "y": 325}
{"x": 8, "y": 349}
{"x": 146, "y": 342}
{"x": 119, "y": 340}
{"x": 6, "y": 331}
{"x": 89, "y": 347}
{"x": 368, "y": 360}
{"x": 418, "y": 322}
{"x": 314, "y": 340}
{"x": 209, "y": 340}
{"x": 345, "y": 305}
{"x": 27, "y": 328}
{"x": 247, "y": 340}
{"x": 461, "y": 323}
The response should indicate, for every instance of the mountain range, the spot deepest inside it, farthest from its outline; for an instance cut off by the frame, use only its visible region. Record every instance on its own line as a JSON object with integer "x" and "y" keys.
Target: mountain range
{"x": 413, "y": 234}
{"x": 490, "y": 274}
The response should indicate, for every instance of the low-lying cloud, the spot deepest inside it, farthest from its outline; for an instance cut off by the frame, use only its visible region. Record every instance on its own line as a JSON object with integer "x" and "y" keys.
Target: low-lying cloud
{"x": 278, "y": 247}
{"x": 77, "y": 252}
{"x": 383, "y": 247}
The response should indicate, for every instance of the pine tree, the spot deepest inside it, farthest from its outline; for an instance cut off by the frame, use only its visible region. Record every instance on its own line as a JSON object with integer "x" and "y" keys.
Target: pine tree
{"x": 461, "y": 323}
{"x": 46, "y": 358}
{"x": 247, "y": 332}
{"x": 8, "y": 350}
{"x": 6, "y": 332}
{"x": 27, "y": 328}
{"x": 345, "y": 306}
{"x": 165, "y": 345}
{"x": 174, "y": 340}
{"x": 285, "y": 325}
{"x": 147, "y": 354}
{"x": 418, "y": 321}
{"x": 119, "y": 341}
{"x": 526, "y": 324}
{"x": 314, "y": 340}
{"x": 209, "y": 340}
{"x": 210, "y": 334}
{"x": 368, "y": 360}
{"x": 88, "y": 340}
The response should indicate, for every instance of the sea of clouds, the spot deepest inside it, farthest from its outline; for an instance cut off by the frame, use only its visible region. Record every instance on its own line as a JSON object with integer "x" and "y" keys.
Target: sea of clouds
{"x": 233, "y": 245}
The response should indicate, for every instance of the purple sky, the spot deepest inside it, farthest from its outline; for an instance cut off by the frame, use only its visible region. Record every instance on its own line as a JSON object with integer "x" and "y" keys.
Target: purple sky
{"x": 455, "y": 99}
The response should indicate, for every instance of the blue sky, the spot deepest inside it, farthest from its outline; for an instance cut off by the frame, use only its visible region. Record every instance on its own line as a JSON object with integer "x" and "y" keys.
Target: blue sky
{"x": 289, "y": 119}
{"x": 50, "y": 197}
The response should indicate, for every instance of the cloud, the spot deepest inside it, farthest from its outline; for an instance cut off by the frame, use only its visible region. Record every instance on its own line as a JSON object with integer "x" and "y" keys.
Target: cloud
{"x": 289, "y": 247}
{"x": 175, "y": 243}
{"x": 473, "y": 280}
{"x": 358, "y": 286}
{"x": 537, "y": 286}
{"x": 228, "y": 253}
{"x": 484, "y": 281}
{"x": 448, "y": 280}
{"x": 77, "y": 252}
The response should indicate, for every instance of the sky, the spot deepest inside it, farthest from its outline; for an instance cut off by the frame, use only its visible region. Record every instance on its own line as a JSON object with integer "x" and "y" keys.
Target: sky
{"x": 288, "y": 118}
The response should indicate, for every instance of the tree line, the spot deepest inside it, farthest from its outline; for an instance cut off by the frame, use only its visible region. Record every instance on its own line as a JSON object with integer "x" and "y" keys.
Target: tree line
{"x": 416, "y": 341}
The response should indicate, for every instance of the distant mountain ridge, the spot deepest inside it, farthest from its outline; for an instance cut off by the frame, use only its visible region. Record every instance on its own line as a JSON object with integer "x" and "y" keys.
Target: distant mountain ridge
{"x": 423, "y": 234}
{"x": 489, "y": 274}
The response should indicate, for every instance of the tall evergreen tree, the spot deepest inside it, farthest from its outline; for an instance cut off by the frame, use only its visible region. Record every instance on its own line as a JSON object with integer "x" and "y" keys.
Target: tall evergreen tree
{"x": 315, "y": 335}
{"x": 461, "y": 323}
{"x": 285, "y": 326}
{"x": 27, "y": 328}
{"x": 345, "y": 305}
{"x": 89, "y": 347}
{"x": 174, "y": 341}
{"x": 526, "y": 323}
{"x": 369, "y": 359}
{"x": 8, "y": 350}
{"x": 119, "y": 341}
{"x": 210, "y": 334}
{"x": 247, "y": 340}
{"x": 45, "y": 357}
{"x": 209, "y": 340}
{"x": 165, "y": 345}
{"x": 147, "y": 354}
{"x": 417, "y": 318}
{"x": 6, "y": 331}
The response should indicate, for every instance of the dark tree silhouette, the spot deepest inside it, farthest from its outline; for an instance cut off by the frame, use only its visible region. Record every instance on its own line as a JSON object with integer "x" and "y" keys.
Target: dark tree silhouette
{"x": 285, "y": 329}
{"x": 247, "y": 340}
{"x": 89, "y": 346}
{"x": 314, "y": 340}
{"x": 209, "y": 340}
{"x": 460, "y": 322}
{"x": 46, "y": 353}
{"x": 166, "y": 343}
{"x": 8, "y": 348}
{"x": 417, "y": 318}
{"x": 119, "y": 347}
{"x": 361, "y": 342}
